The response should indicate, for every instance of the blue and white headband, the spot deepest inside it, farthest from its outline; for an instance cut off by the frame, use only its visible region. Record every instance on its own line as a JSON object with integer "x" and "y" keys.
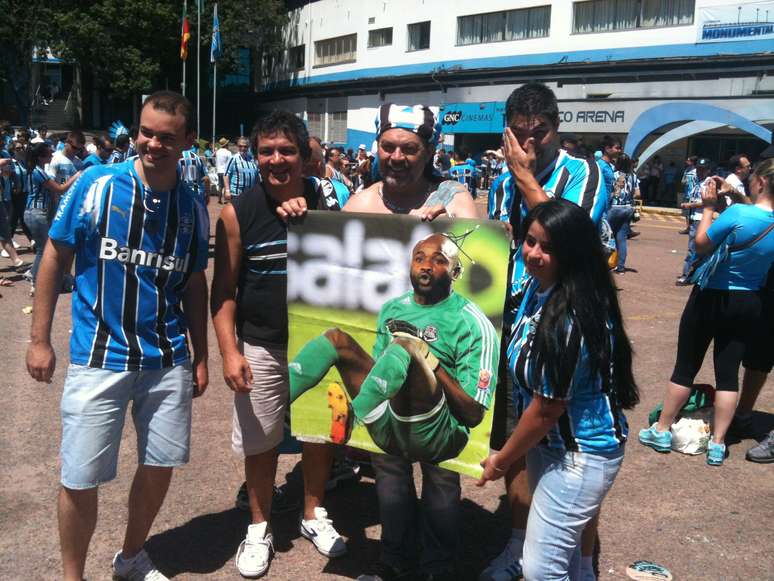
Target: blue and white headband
{"x": 418, "y": 119}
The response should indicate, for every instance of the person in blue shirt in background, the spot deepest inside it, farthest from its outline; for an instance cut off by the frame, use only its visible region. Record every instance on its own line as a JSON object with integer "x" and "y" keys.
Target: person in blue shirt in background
{"x": 104, "y": 151}
{"x": 466, "y": 173}
{"x": 728, "y": 311}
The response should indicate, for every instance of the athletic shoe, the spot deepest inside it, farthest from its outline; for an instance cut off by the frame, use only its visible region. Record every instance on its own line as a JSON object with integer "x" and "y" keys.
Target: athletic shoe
{"x": 763, "y": 453}
{"x": 383, "y": 572}
{"x": 280, "y": 500}
{"x": 254, "y": 553}
{"x": 4, "y": 253}
{"x": 716, "y": 453}
{"x": 659, "y": 441}
{"x": 632, "y": 234}
{"x": 504, "y": 567}
{"x": 742, "y": 427}
{"x": 619, "y": 270}
{"x": 342, "y": 472}
{"x": 21, "y": 266}
{"x": 320, "y": 531}
{"x": 16, "y": 245}
{"x": 682, "y": 281}
{"x": 138, "y": 568}
{"x": 683, "y": 231}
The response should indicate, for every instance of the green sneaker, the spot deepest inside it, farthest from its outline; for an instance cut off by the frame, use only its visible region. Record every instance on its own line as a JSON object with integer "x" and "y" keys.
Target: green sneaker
{"x": 716, "y": 453}
{"x": 659, "y": 441}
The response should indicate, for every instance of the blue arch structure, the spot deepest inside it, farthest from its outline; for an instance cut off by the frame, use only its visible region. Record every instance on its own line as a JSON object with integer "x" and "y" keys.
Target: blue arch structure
{"x": 674, "y": 112}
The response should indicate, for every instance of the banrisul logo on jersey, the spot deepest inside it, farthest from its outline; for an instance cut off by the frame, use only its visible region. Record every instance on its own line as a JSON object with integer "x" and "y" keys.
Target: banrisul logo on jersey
{"x": 385, "y": 286}
{"x": 110, "y": 250}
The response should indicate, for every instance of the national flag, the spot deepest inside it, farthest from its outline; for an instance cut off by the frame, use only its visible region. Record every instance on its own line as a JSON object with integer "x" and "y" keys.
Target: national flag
{"x": 185, "y": 34}
{"x": 216, "y": 48}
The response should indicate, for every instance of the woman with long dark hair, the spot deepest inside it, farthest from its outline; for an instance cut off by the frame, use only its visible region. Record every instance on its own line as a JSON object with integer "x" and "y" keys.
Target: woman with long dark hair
{"x": 571, "y": 365}
{"x": 43, "y": 197}
{"x": 626, "y": 188}
{"x": 727, "y": 311}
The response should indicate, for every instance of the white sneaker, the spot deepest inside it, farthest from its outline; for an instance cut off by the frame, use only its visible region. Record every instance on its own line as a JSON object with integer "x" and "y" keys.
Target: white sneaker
{"x": 138, "y": 568}
{"x": 4, "y": 253}
{"x": 506, "y": 566}
{"x": 320, "y": 531}
{"x": 16, "y": 245}
{"x": 254, "y": 554}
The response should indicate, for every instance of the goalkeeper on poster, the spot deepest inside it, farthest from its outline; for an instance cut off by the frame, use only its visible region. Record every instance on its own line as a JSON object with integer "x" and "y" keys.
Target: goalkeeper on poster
{"x": 432, "y": 373}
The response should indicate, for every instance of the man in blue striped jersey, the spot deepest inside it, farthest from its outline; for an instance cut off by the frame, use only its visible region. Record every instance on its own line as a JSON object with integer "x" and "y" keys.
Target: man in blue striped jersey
{"x": 538, "y": 169}
{"x": 193, "y": 172}
{"x": 121, "y": 150}
{"x": 241, "y": 171}
{"x": 139, "y": 237}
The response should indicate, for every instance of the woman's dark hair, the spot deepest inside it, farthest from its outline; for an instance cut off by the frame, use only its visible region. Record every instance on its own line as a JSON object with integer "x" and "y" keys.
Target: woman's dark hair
{"x": 35, "y": 152}
{"x": 585, "y": 297}
{"x": 624, "y": 164}
{"x": 287, "y": 124}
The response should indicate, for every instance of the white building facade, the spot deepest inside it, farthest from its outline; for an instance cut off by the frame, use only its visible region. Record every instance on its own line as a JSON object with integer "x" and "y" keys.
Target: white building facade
{"x": 613, "y": 64}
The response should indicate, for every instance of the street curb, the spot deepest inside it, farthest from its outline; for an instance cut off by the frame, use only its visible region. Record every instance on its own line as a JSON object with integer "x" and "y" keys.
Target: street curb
{"x": 661, "y": 211}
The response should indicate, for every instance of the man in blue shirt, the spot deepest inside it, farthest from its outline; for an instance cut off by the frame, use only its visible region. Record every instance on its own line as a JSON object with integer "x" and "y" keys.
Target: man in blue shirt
{"x": 611, "y": 149}
{"x": 192, "y": 171}
{"x": 104, "y": 151}
{"x": 139, "y": 239}
{"x": 241, "y": 171}
{"x": 538, "y": 169}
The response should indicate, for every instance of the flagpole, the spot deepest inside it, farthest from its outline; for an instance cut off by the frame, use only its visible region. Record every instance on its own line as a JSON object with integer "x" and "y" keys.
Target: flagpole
{"x": 198, "y": 66}
{"x": 185, "y": 12}
{"x": 214, "y": 93}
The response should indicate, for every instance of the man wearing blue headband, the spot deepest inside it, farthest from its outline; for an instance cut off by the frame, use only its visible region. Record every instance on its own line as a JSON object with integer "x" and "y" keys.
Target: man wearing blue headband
{"x": 406, "y": 138}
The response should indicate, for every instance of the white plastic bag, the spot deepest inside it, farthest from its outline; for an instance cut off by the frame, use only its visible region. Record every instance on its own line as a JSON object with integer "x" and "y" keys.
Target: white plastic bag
{"x": 690, "y": 436}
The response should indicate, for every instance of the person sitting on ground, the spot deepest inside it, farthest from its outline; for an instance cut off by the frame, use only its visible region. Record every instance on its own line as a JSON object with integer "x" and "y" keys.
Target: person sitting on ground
{"x": 727, "y": 311}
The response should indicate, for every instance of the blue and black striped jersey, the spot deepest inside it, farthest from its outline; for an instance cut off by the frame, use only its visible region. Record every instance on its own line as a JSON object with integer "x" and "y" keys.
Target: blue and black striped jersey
{"x": 135, "y": 251}
{"x": 191, "y": 170}
{"x": 38, "y": 197}
{"x": 592, "y": 421}
{"x": 572, "y": 178}
{"x": 242, "y": 174}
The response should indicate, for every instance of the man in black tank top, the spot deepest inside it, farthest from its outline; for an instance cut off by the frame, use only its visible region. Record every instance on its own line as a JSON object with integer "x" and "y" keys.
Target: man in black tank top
{"x": 249, "y": 312}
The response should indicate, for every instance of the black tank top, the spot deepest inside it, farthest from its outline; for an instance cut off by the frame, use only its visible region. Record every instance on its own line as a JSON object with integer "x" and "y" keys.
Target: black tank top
{"x": 262, "y": 310}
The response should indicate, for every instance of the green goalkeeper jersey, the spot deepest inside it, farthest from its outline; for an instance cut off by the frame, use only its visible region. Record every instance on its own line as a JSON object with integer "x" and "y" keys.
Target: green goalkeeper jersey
{"x": 459, "y": 335}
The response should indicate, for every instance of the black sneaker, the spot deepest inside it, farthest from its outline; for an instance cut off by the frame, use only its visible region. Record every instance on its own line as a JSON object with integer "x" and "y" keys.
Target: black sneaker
{"x": 682, "y": 281}
{"x": 763, "y": 453}
{"x": 280, "y": 501}
{"x": 343, "y": 472}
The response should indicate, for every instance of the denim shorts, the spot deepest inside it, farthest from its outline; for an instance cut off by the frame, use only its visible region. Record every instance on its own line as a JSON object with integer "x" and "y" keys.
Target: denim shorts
{"x": 568, "y": 489}
{"x": 94, "y": 405}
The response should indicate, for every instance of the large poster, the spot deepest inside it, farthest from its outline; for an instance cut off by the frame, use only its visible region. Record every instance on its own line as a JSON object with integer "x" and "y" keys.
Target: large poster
{"x": 394, "y": 334}
{"x": 734, "y": 22}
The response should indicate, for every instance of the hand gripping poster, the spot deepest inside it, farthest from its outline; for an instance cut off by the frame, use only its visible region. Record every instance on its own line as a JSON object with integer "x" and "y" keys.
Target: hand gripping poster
{"x": 394, "y": 334}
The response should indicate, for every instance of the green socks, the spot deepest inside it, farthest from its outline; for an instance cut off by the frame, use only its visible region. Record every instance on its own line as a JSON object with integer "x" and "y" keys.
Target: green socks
{"x": 310, "y": 366}
{"x": 385, "y": 380}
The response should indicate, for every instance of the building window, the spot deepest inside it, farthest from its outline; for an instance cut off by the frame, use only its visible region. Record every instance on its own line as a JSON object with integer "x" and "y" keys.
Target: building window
{"x": 506, "y": 25}
{"x": 609, "y": 15}
{"x": 337, "y": 127}
{"x": 419, "y": 36}
{"x": 379, "y": 37}
{"x": 297, "y": 57}
{"x": 314, "y": 124}
{"x": 334, "y": 51}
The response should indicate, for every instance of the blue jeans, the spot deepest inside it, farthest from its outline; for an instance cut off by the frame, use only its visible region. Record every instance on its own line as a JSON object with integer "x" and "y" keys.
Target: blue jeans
{"x": 691, "y": 256}
{"x": 37, "y": 222}
{"x": 93, "y": 407}
{"x": 568, "y": 489}
{"x": 618, "y": 217}
{"x": 432, "y": 524}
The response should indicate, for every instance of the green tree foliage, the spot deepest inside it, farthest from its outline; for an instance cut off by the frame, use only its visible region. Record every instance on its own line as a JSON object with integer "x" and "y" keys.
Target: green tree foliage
{"x": 130, "y": 46}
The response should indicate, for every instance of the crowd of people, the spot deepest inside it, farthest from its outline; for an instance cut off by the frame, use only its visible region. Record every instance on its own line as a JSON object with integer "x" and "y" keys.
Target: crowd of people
{"x": 136, "y": 220}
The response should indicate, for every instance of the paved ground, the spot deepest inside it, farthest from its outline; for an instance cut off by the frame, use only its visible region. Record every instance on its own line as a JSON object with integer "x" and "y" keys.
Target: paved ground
{"x": 700, "y": 522}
